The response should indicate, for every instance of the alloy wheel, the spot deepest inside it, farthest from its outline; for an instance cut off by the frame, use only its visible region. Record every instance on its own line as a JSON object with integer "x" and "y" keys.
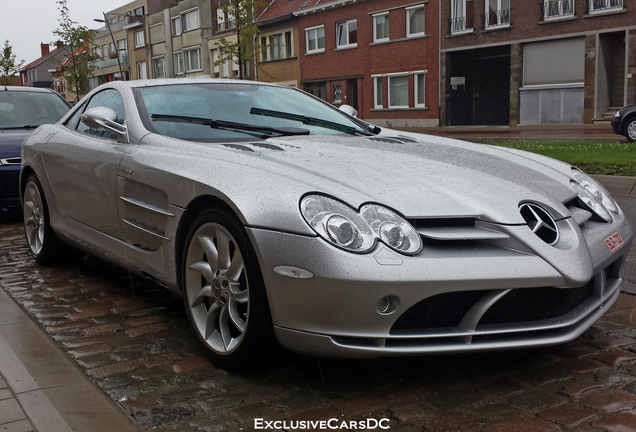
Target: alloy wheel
{"x": 34, "y": 222}
{"x": 217, "y": 288}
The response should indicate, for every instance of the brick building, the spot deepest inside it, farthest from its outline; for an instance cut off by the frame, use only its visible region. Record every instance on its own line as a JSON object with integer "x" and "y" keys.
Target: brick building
{"x": 381, "y": 57}
{"x": 523, "y": 62}
{"x": 279, "y": 43}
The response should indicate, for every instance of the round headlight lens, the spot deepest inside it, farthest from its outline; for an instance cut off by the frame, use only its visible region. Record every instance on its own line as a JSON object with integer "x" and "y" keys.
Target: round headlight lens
{"x": 337, "y": 223}
{"x": 596, "y": 190}
{"x": 341, "y": 230}
{"x": 591, "y": 201}
{"x": 395, "y": 231}
{"x": 392, "y": 234}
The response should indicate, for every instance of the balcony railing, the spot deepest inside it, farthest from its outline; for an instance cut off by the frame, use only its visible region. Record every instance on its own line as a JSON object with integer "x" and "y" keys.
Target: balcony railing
{"x": 461, "y": 24}
{"x": 498, "y": 18}
{"x": 605, "y": 5}
{"x": 558, "y": 9}
{"x": 108, "y": 62}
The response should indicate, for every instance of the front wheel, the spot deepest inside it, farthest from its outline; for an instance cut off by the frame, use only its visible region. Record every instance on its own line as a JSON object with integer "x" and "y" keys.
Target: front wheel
{"x": 224, "y": 292}
{"x": 630, "y": 130}
{"x": 42, "y": 241}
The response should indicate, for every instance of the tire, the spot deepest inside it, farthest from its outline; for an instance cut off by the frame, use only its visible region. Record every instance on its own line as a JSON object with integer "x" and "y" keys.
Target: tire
{"x": 224, "y": 293}
{"x": 630, "y": 130}
{"x": 43, "y": 244}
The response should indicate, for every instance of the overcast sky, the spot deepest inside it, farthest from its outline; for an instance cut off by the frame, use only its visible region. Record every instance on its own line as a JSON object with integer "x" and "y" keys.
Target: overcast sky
{"x": 27, "y": 23}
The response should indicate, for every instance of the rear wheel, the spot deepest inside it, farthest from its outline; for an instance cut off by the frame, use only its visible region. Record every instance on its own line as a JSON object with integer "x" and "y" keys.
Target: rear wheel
{"x": 224, "y": 291}
{"x": 630, "y": 130}
{"x": 42, "y": 241}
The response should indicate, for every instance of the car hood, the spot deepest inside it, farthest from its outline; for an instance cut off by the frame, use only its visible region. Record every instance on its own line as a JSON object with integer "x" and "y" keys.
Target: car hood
{"x": 420, "y": 176}
{"x": 10, "y": 142}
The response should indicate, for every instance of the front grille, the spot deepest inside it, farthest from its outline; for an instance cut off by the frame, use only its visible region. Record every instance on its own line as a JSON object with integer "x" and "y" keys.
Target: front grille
{"x": 11, "y": 161}
{"x": 519, "y": 305}
{"x": 533, "y": 304}
{"x": 442, "y": 310}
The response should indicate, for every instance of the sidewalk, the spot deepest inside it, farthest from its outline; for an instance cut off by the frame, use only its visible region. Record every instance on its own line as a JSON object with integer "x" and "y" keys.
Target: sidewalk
{"x": 41, "y": 388}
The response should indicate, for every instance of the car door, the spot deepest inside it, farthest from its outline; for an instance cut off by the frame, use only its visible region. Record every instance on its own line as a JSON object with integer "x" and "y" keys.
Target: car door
{"x": 82, "y": 165}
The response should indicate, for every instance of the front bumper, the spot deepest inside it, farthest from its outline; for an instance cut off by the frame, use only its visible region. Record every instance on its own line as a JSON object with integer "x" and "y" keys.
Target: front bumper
{"x": 9, "y": 185}
{"x": 616, "y": 125}
{"x": 335, "y": 313}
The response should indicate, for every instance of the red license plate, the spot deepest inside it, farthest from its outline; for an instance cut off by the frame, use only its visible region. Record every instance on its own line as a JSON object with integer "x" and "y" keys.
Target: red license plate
{"x": 614, "y": 241}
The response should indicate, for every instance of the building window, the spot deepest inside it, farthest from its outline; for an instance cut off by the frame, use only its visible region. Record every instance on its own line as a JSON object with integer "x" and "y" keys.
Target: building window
{"x": 220, "y": 19}
{"x": 159, "y": 67}
{"x": 318, "y": 89}
{"x": 289, "y": 49}
{"x": 139, "y": 11}
{"x": 264, "y": 49}
{"x": 176, "y": 26}
{"x": 177, "y": 59}
{"x": 347, "y": 34}
{"x": 378, "y": 92}
{"x": 337, "y": 93}
{"x": 142, "y": 70}
{"x": 461, "y": 16}
{"x": 381, "y": 27}
{"x": 399, "y": 91}
{"x": 231, "y": 19}
{"x": 97, "y": 51}
{"x": 420, "y": 86}
{"x": 497, "y": 13}
{"x": 558, "y": 9}
{"x": 192, "y": 59}
{"x": 415, "y": 21}
{"x": 190, "y": 20}
{"x": 603, "y": 5}
{"x": 315, "y": 38}
{"x": 276, "y": 47}
{"x": 140, "y": 41}
{"x": 122, "y": 46}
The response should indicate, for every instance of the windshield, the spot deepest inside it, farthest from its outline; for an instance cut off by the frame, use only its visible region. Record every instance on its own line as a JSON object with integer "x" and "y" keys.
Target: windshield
{"x": 30, "y": 109}
{"x": 241, "y": 103}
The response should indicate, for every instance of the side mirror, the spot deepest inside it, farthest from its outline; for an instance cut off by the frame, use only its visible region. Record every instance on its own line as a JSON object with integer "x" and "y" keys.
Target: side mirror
{"x": 348, "y": 109}
{"x": 102, "y": 118}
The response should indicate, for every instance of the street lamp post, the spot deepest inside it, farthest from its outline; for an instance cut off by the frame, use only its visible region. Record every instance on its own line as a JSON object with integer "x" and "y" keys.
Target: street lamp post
{"x": 121, "y": 72}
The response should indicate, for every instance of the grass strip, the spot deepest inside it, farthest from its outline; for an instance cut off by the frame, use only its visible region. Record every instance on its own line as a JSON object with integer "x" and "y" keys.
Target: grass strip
{"x": 609, "y": 158}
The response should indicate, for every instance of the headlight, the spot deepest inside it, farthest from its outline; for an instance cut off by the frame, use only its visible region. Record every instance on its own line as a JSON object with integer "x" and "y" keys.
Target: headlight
{"x": 596, "y": 190}
{"x": 618, "y": 114}
{"x": 358, "y": 232}
{"x": 591, "y": 201}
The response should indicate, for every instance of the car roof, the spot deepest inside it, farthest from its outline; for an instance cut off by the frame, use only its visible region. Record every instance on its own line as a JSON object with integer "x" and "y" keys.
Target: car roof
{"x": 25, "y": 89}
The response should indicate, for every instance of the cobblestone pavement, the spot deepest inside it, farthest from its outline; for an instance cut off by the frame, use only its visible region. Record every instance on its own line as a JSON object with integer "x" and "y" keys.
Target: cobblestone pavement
{"x": 133, "y": 340}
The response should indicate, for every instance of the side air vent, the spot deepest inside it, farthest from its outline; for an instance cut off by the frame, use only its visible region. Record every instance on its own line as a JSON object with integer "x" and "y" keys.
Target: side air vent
{"x": 540, "y": 222}
{"x": 238, "y": 147}
{"x": 393, "y": 140}
{"x": 267, "y": 146}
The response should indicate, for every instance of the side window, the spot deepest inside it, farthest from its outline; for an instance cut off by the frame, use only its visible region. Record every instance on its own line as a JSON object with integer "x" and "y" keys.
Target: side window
{"x": 73, "y": 122}
{"x": 109, "y": 99}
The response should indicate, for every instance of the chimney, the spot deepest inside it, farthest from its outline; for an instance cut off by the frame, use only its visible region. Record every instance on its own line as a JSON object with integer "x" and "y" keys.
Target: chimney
{"x": 59, "y": 44}
{"x": 44, "y": 48}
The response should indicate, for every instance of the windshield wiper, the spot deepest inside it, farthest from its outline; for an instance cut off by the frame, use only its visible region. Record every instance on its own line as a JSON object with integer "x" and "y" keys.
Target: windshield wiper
{"x": 232, "y": 126}
{"x": 21, "y": 127}
{"x": 312, "y": 121}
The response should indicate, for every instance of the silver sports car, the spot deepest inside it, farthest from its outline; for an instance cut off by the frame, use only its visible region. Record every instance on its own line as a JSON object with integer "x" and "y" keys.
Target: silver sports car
{"x": 277, "y": 216}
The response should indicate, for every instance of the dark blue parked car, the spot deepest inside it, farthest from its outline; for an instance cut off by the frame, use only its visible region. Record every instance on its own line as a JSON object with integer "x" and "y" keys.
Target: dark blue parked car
{"x": 22, "y": 109}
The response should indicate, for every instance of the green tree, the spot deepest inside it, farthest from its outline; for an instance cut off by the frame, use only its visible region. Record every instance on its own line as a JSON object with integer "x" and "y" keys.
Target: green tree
{"x": 244, "y": 49}
{"x": 8, "y": 65}
{"x": 78, "y": 68}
